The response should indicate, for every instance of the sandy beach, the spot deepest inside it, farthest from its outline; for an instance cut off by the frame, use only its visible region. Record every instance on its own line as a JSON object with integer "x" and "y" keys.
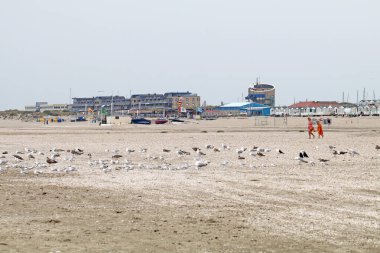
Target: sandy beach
{"x": 160, "y": 202}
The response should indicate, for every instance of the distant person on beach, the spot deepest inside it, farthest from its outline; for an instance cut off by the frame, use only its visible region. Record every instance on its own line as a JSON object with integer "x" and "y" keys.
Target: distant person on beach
{"x": 310, "y": 128}
{"x": 320, "y": 128}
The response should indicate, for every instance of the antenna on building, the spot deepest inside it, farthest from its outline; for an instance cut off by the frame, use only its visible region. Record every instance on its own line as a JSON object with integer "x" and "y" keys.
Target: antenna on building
{"x": 357, "y": 97}
{"x": 348, "y": 96}
{"x": 343, "y": 97}
{"x": 70, "y": 97}
{"x": 374, "y": 97}
{"x": 364, "y": 94}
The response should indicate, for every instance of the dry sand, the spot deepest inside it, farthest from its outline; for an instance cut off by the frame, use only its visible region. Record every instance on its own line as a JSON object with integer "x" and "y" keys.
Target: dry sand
{"x": 266, "y": 204}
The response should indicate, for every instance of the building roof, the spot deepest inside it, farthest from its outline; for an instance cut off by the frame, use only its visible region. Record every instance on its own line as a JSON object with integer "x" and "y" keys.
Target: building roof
{"x": 242, "y": 104}
{"x": 314, "y": 104}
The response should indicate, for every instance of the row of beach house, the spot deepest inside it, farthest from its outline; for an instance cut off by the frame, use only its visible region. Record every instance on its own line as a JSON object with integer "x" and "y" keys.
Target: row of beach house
{"x": 328, "y": 108}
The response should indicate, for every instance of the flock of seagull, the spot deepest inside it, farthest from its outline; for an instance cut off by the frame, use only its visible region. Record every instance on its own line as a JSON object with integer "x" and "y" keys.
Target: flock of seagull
{"x": 60, "y": 160}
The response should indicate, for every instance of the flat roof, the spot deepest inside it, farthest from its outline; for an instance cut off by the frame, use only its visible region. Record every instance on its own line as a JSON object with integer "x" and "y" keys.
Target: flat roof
{"x": 241, "y": 104}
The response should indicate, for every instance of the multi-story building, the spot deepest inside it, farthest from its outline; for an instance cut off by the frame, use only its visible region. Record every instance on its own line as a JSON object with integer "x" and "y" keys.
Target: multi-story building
{"x": 165, "y": 102}
{"x": 44, "y": 106}
{"x": 262, "y": 93}
{"x": 190, "y": 101}
{"x": 149, "y": 102}
{"x": 113, "y": 103}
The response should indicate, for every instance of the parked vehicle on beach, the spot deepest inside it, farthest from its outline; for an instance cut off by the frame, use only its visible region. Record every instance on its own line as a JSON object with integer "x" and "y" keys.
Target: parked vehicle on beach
{"x": 176, "y": 120}
{"x": 141, "y": 121}
{"x": 161, "y": 121}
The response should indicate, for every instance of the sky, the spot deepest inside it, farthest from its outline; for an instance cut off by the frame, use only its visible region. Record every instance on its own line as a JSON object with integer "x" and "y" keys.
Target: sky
{"x": 313, "y": 50}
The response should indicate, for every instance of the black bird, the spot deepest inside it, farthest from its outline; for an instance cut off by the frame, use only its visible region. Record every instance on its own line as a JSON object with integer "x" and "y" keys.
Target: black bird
{"x": 323, "y": 160}
{"x": 196, "y": 149}
{"x": 301, "y": 155}
{"x": 280, "y": 151}
{"x": 117, "y": 156}
{"x": 18, "y": 157}
{"x": 50, "y": 161}
{"x": 166, "y": 150}
{"x": 377, "y": 147}
{"x": 241, "y": 158}
{"x": 305, "y": 155}
{"x": 5, "y": 153}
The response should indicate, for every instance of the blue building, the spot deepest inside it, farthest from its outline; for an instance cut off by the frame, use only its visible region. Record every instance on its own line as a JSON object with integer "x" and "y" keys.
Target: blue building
{"x": 249, "y": 108}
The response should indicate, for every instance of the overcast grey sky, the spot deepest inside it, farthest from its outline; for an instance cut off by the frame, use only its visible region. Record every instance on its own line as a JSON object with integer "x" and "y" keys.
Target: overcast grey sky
{"x": 216, "y": 48}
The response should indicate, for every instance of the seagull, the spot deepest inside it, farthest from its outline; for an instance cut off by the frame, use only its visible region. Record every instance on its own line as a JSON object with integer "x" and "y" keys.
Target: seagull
{"x": 129, "y": 150}
{"x": 209, "y": 146}
{"x": 50, "y": 161}
{"x": 331, "y": 147}
{"x": 323, "y": 160}
{"x": 225, "y": 163}
{"x": 200, "y": 153}
{"x": 260, "y": 154}
{"x": 224, "y": 147}
{"x": 279, "y": 151}
{"x": 240, "y": 150}
{"x": 254, "y": 149}
{"x": 181, "y": 152}
{"x": 195, "y": 149}
{"x": 353, "y": 152}
{"x": 201, "y": 163}
{"x": 339, "y": 152}
{"x": 216, "y": 150}
{"x": 143, "y": 150}
{"x": 300, "y": 158}
{"x": 30, "y": 156}
{"x": 18, "y": 157}
{"x": 77, "y": 151}
{"x": 54, "y": 155}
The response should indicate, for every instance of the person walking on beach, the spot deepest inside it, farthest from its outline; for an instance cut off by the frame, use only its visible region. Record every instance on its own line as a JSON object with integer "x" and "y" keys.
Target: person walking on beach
{"x": 310, "y": 128}
{"x": 320, "y": 128}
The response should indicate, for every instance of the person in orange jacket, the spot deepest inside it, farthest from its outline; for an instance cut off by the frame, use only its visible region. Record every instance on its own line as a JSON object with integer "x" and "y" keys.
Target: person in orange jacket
{"x": 320, "y": 129}
{"x": 310, "y": 128}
